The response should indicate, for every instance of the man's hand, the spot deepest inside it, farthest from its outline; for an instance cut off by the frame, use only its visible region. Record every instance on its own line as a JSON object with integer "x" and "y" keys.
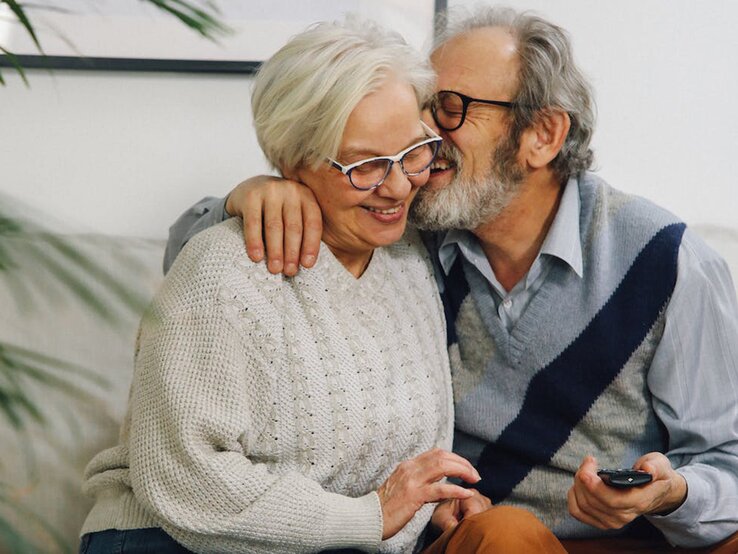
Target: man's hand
{"x": 449, "y": 513}
{"x": 285, "y": 214}
{"x": 592, "y": 502}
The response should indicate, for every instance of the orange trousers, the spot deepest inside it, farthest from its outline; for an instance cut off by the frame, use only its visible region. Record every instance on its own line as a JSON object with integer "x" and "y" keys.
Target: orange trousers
{"x": 508, "y": 530}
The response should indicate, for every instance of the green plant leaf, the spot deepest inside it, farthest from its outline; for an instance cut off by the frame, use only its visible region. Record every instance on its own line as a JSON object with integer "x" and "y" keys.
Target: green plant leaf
{"x": 12, "y": 58}
{"x": 8, "y": 407}
{"x": 28, "y": 248}
{"x": 31, "y": 357}
{"x": 13, "y": 540}
{"x": 194, "y": 17}
{"x": 17, "y": 364}
{"x": 6, "y": 260}
{"x": 20, "y": 13}
{"x": 127, "y": 295}
{"x": 9, "y": 226}
{"x": 19, "y": 542}
{"x": 76, "y": 285}
{"x": 197, "y": 18}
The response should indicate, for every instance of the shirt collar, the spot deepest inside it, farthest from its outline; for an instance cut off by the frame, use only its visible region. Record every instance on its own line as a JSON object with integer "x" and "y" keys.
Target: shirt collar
{"x": 563, "y": 240}
{"x": 449, "y": 249}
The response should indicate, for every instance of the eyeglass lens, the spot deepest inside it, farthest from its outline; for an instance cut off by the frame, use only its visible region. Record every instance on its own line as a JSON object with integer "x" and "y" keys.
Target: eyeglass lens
{"x": 449, "y": 110}
{"x": 371, "y": 173}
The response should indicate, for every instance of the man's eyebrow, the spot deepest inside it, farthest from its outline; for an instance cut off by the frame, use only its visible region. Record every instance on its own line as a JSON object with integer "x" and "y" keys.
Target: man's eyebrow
{"x": 367, "y": 153}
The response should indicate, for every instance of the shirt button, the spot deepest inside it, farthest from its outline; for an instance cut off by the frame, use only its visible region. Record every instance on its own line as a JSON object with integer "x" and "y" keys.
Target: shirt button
{"x": 507, "y": 303}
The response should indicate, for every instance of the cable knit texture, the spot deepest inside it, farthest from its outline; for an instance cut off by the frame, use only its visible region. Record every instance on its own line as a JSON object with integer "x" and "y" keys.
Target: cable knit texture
{"x": 265, "y": 411}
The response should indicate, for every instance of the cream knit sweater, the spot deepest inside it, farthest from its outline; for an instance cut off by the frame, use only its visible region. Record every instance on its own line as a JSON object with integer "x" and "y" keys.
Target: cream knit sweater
{"x": 265, "y": 411}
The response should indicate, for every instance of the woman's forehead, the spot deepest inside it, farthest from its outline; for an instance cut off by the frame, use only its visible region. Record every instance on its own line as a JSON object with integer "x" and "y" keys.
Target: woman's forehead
{"x": 387, "y": 119}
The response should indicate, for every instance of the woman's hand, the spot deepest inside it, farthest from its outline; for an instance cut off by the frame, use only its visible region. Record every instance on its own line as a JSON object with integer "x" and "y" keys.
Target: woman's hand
{"x": 415, "y": 482}
{"x": 285, "y": 214}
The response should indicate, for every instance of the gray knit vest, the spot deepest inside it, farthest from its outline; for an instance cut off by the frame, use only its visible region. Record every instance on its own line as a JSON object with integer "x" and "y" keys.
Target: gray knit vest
{"x": 570, "y": 378}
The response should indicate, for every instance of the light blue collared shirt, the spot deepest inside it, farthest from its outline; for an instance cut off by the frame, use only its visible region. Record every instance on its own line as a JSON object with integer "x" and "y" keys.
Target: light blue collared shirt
{"x": 562, "y": 243}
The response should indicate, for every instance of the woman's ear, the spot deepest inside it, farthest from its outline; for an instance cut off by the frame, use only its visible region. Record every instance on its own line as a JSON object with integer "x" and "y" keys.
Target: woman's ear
{"x": 544, "y": 140}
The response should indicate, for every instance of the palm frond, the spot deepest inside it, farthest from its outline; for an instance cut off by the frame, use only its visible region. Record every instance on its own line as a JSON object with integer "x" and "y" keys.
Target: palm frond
{"x": 37, "y": 264}
{"x": 20, "y": 13}
{"x": 203, "y": 20}
{"x": 19, "y": 366}
{"x": 38, "y": 254}
{"x": 13, "y": 59}
{"x": 14, "y": 540}
{"x": 201, "y": 17}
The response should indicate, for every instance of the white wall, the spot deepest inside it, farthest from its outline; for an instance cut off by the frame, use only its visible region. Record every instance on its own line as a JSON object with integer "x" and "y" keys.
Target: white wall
{"x": 125, "y": 153}
{"x": 665, "y": 74}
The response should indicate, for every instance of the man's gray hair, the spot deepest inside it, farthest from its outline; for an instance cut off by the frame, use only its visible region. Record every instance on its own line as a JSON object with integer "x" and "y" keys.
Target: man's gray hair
{"x": 303, "y": 95}
{"x": 548, "y": 77}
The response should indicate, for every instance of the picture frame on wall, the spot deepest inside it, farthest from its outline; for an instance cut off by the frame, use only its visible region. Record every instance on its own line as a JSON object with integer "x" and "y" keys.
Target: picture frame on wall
{"x": 130, "y": 35}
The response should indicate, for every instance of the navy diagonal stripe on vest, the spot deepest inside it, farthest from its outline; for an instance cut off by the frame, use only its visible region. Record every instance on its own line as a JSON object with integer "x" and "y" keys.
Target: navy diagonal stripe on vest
{"x": 453, "y": 295}
{"x": 561, "y": 393}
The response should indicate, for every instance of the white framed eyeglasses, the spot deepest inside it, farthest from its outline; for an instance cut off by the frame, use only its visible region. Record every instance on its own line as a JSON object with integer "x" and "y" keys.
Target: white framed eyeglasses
{"x": 368, "y": 174}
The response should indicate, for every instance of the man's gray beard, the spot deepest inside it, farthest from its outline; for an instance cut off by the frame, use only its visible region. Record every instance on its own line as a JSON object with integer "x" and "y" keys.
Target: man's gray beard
{"x": 467, "y": 203}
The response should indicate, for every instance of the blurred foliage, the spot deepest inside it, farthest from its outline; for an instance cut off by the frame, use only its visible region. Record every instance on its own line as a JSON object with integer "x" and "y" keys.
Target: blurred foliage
{"x": 201, "y": 16}
{"x": 42, "y": 267}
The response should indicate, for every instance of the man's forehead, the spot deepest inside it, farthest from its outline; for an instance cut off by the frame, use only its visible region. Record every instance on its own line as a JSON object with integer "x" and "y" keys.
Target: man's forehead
{"x": 479, "y": 62}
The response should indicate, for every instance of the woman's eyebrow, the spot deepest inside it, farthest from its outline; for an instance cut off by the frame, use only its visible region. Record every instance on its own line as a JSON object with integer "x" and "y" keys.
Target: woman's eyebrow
{"x": 367, "y": 153}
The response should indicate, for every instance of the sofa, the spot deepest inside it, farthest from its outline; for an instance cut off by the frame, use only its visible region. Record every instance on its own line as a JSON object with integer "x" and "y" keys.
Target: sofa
{"x": 41, "y": 465}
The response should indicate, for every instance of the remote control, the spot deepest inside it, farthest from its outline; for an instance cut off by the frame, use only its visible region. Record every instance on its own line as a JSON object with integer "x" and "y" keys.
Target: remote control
{"x": 624, "y": 478}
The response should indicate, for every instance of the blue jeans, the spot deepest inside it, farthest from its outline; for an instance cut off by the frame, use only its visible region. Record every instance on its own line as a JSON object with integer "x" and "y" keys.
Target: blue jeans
{"x": 143, "y": 541}
{"x": 132, "y": 541}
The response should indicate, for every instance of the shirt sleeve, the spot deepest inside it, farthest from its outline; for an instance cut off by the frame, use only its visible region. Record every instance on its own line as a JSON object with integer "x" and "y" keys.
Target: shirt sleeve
{"x": 193, "y": 392}
{"x": 207, "y": 212}
{"x": 694, "y": 383}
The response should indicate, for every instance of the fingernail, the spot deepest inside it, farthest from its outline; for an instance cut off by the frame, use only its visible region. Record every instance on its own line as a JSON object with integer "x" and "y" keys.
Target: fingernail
{"x": 290, "y": 268}
{"x": 275, "y": 266}
{"x": 479, "y": 477}
{"x": 309, "y": 260}
{"x": 257, "y": 254}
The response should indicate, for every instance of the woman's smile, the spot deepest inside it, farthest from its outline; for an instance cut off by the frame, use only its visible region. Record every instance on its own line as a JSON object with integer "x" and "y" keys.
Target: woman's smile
{"x": 387, "y": 215}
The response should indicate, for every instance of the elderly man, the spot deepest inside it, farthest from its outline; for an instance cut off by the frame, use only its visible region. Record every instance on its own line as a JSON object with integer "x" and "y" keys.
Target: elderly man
{"x": 587, "y": 328}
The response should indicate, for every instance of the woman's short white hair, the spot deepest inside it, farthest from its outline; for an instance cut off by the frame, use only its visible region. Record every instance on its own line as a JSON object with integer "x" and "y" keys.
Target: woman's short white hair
{"x": 303, "y": 95}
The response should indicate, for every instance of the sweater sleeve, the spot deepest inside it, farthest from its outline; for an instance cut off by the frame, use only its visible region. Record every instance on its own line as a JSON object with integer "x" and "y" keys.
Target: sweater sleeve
{"x": 188, "y": 462}
{"x": 410, "y": 536}
{"x": 694, "y": 382}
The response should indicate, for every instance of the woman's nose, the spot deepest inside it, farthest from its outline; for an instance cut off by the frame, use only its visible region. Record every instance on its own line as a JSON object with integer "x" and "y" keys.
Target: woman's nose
{"x": 396, "y": 185}
{"x": 427, "y": 118}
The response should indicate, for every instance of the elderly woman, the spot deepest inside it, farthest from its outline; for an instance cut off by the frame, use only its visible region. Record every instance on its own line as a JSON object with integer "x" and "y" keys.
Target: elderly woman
{"x": 272, "y": 414}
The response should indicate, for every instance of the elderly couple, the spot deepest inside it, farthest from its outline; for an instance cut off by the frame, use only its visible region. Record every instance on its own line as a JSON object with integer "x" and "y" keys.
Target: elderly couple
{"x": 544, "y": 323}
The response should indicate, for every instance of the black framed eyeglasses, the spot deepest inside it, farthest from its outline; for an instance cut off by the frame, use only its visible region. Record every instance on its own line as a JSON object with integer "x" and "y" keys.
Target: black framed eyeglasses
{"x": 368, "y": 174}
{"x": 449, "y": 108}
